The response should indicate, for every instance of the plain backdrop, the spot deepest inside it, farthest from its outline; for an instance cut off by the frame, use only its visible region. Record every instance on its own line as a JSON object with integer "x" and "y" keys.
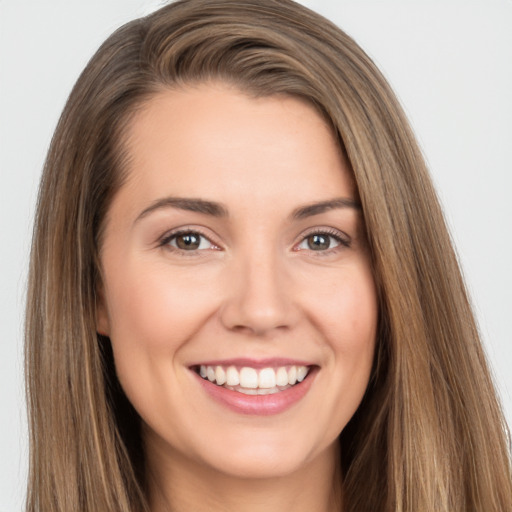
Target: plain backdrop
{"x": 450, "y": 62}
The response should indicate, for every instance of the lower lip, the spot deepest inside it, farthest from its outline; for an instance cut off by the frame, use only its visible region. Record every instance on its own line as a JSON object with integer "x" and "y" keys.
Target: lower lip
{"x": 261, "y": 405}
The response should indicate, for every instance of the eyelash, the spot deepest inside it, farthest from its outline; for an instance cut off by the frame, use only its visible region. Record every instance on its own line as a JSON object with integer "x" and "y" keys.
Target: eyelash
{"x": 342, "y": 240}
{"x": 166, "y": 240}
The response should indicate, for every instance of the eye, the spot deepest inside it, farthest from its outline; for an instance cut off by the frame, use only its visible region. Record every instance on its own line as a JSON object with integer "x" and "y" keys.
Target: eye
{"x": 322, "y": 241}
{"x": 188, "y": 241}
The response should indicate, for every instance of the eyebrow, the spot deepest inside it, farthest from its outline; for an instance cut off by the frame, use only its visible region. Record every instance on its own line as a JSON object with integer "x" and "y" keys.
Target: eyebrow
{"x": 215, "y": 209}
{"x": 189, "y": 204}
{"x": 323, "y": 206}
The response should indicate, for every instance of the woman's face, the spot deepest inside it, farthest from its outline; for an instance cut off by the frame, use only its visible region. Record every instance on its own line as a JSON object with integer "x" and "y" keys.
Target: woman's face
{"x": 237, "y": 291}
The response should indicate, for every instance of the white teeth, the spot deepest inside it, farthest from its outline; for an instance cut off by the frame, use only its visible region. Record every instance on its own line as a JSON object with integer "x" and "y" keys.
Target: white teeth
{"x": 232, "y": 377}
{"x": 302, "y": 371}
{"x": 220, "y": 375}
{"x": 282, "y": 377}
{"x": 262, "y": 382}
{"x": 292, "y": 375}
{"x": 249, "y": 391}
{"x": 248, "y": 378}
{"x": 267, "y": 378}
{"x": 270, "y": 391}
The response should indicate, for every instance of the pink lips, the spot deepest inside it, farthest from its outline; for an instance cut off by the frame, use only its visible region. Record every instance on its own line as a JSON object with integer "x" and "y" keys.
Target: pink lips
{"x": 262, "y": 405}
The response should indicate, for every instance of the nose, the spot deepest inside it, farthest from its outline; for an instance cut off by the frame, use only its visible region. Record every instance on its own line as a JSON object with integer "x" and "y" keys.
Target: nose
{"x": 259, "y": 296}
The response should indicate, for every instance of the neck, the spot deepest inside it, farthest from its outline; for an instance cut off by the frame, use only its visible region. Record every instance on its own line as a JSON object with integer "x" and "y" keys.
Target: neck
{"x": 177, "y": 485}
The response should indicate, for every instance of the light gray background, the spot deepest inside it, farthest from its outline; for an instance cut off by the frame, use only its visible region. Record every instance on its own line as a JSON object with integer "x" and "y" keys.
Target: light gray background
{"x": 450, "y": 62}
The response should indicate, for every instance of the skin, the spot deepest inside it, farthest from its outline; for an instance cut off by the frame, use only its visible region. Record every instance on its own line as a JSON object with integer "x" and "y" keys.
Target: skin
{"x": 256, "y": 287}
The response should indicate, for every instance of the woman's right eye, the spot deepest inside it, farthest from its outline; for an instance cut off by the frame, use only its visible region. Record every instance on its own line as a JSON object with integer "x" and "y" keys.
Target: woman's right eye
{"x": 188, "y": 241}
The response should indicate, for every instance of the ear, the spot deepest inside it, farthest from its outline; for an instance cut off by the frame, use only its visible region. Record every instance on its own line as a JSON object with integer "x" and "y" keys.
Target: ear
{"x": 102, "y": 318}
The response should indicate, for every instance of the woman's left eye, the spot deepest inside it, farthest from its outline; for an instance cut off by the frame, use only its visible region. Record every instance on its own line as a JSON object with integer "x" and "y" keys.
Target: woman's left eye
{"x": 321, "y": 242}
{"x": 188, "y": 241}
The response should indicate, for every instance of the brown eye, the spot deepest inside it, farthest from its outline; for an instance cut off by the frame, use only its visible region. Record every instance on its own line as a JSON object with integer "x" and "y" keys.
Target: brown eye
{"x": 189, "y": 241}
{"x": 319, "y": 242}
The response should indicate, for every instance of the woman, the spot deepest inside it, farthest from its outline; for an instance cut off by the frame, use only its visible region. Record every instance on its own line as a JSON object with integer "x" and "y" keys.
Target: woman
{"x": 242, "y": 291}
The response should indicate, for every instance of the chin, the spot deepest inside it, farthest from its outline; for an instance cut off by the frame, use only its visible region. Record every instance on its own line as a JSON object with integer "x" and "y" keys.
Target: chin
{"x": 260, "y": 467}
{"x": 265, "y": 458}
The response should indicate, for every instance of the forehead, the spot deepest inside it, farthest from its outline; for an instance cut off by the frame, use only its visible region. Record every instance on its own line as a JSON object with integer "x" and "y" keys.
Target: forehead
{"x": 213, "y": 140}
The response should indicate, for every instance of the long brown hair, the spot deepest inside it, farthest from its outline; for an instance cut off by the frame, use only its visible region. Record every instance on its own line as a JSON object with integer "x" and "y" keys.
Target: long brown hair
{"x": 429, "y": 434}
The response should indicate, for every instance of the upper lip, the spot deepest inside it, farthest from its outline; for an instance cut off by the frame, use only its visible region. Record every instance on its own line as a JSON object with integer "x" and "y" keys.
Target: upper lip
{"x": 273, "y": 362}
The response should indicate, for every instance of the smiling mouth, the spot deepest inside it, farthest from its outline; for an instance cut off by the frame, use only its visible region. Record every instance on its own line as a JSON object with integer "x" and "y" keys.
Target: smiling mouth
{"x": 252, "y": 381}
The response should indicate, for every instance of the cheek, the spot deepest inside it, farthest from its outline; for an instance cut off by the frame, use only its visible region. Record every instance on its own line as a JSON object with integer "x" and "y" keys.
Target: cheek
{"x": 355, "y": 347}
{"x": 360, "y": 319}
{"x": 345, "y": 308}
{"x": 347, "y": 317}
{"x": 356, "y": 325}
{"x": 153, "y": 312}
{"x": 153, "y": 308}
